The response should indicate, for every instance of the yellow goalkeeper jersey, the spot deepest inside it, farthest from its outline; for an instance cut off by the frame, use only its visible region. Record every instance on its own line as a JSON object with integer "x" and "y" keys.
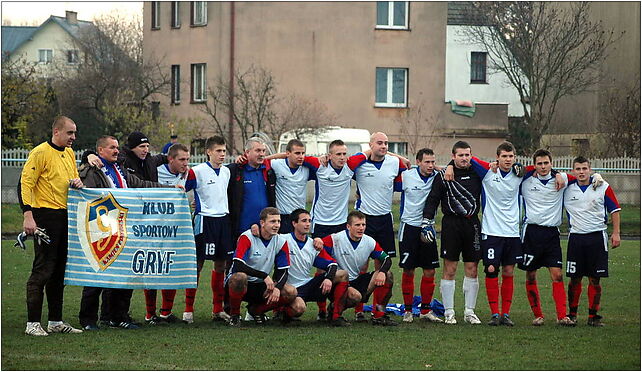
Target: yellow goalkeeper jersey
{"x": 46, "y": 174}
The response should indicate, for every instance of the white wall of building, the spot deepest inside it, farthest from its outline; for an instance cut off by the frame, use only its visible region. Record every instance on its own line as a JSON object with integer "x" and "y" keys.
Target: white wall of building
{"x": 458, "y": 86}
{"x": 52, "y": 36}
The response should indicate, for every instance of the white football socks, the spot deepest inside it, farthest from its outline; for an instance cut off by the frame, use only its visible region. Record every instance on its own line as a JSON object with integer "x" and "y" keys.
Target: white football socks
{"x": 471, "y": 288}
{"x": 447, "y": 289}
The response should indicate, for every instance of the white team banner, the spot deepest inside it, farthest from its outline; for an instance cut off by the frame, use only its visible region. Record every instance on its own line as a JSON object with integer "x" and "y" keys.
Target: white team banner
{"x": 130, "y": 238}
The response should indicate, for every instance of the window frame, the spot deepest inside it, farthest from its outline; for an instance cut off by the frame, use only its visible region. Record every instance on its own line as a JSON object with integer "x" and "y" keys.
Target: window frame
{"x": 72, "y": 52}
{"x": 47, "y": 60}
{"x": 389, "y": 88}
{"x": 391, "y": 16}
{"x": 192, "y": 17}
{"x": 473, "y": 67}
{"x": 176, "y": 14}
{"x": 203, "y": 83}
{"x": 155, "y": 15}
{"x": 175, "y": 95}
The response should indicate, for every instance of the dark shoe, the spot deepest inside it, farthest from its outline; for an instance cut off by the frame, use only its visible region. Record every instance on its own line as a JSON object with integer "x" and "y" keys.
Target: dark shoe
{"x": 154, "y": 320}
{"x": 595, "y": 321}
{"x": 384, "y": 321}
{"x": 235, "y": 321}
{"x": 494, "y": 320}
{"x": 260, "y": 319}
{"x": 123, "y": 325}
{"x": 90, "y": 327}
{"x": 505, "y": 320}
{"x": 322, "y": 316}
{"x": 360, "y": 317}
{"x": 340, "y": 322}
{"x": 573, "y": 318}
{"x": 171, "y": 318}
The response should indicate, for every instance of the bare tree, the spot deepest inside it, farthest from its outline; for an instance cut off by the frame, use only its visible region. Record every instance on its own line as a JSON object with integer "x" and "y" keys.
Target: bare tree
{"x": 620, "y": 121}
{"x": 418, "y": 128}
{"x": 256, "y": 106}
{"x": 547, "y": 50}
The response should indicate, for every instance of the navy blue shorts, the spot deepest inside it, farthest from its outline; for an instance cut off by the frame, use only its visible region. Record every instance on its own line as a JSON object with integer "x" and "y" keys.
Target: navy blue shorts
{"x": 311, "y": 291}
{"x": 501, "y": 251}
{"x": 286, "y": 224}
{"x": 215, "y": 242}
{"x": 460, "y": 235}
{"x": 541, "y": 247}
{"x": 380, "y": 229}
{"x": 587, "y": 255}
{"x": 321, "y": 231}
{"x": 361, "y": 283}
{"x": 414, "y": 253}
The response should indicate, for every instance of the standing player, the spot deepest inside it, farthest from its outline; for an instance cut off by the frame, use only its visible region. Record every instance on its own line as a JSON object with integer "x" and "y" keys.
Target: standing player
{"x": 460, "y": 230}
{"x": 46, "y": 177}
{"x": 352, "y": 248}
{"x": 303, "y": 257}
{"x": 249, "y": 278}
{"x": 541, "y": 237}
{"x": 588, "y": 253}
{"x": 414, "y": 253}
{"x": 376, "y": 175}
{"x": 212, "y": 228}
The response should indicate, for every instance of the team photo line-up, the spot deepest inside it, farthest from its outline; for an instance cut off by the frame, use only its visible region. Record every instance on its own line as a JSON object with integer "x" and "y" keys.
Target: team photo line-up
{"x": 267, "y": 250}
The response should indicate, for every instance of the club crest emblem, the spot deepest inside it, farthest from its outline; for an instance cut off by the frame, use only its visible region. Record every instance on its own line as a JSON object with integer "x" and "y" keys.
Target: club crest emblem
{"x": 101, "y": 224}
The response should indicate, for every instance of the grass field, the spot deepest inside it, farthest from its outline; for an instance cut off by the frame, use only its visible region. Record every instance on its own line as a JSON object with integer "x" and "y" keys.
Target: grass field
{"x": 308, "y": 345}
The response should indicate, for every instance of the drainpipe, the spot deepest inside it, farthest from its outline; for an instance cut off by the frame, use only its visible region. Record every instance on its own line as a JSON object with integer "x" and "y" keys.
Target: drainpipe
{"x": 230, "y": 127}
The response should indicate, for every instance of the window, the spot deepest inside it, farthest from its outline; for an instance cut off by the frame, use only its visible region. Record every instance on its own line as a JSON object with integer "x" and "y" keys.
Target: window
{"x": 399, "y": 148}
{"x": 391, "y": 86}
{"x": 478, "y": 67}
{"x": 176, "y": 15}
{"x": 72, "y": 56}
{"x": 392, "y": 14}
{"x": 156, "y": 15}
{"x": 199, "y": 82}
{"x": 45, "y": 55}
{"x": 176, "y": 84}
{"x": 199, "y": 13}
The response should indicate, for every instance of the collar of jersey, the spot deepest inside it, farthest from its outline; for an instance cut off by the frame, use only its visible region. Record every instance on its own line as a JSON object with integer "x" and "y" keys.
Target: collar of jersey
{"x": 217, "y": 170}
{"x": 355, "y": 244}
{"x": 425, "y": 179}
{"x": 335, "y": 169}
{"x": 250, "y": 168}
{"x": 301, "y": 244}
{"x": 56, "y": 147}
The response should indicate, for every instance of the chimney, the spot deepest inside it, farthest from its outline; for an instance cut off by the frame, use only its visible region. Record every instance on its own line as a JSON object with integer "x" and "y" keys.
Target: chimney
{"x": 72, "y": 17}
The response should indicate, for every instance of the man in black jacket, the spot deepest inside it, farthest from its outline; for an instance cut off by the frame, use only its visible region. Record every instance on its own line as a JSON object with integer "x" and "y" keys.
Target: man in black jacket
{"x": 252, "y": 188}
{"x": 460, "y": 230}
{"x": 136, "y": 158}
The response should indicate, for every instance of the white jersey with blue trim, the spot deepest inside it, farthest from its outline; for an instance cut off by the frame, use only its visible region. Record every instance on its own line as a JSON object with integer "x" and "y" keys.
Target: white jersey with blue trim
{"x": 166, "y": 177}
{"x": 290, "y": 186}
{"x": 375, "y": 184}
{"x": 542, "y": 201}
{"x": 210, "y": 192}
{"x": 500, "y": 204}
{"x": 415, "y": 189}
{"x": 332, "y": 191}
{"x": 262, "y": 255}
{"x": 350, "y": 257}
{"x": 587, "y": 208}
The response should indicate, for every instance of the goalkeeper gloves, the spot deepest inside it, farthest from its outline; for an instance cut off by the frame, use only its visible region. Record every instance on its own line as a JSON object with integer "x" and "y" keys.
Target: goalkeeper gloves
{"x": 518, "y": 169}
{"x": 428, "y": 234}
{"x": 597, "y": 181}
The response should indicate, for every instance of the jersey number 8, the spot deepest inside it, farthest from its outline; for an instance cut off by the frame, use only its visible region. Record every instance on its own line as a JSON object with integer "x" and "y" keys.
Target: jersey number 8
{"x": 491, "y": 253}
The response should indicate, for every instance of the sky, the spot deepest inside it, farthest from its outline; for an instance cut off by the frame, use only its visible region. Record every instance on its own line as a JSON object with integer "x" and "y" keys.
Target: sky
{"x": 34, "y": 13}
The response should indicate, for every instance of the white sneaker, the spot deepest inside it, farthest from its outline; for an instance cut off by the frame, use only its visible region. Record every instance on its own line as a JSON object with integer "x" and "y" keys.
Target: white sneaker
{"x": 220, "y": 316}
{"x": 431, "y": 317}
{"x": 62, "y": 328}
{"x": 35, "y": 329}
{"x": 407, "y": 317}
{"x": 248, "y": 317}
{"x": 450, "y": 319}
{"x": 471, "y": 318}
{"x": 188, "y": 317}
{"x": 539, "y": 321}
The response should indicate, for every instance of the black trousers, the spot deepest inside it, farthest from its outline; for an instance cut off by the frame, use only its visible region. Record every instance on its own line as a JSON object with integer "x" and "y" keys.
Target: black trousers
{"x": 114, "y": 307}
{"x": 48, "y": 270}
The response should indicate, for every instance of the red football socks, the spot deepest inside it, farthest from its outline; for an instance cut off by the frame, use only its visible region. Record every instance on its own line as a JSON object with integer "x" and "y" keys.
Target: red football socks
{"x": 190, "y": 297}
{"x": 408, "y": 289}
{"x": 168, "y": 296}
{"x": 532, "y": 292}
{"x": 594, "y": 295}
{"x": 427, "y": 290}
{"x": 507, "y": 293}
{"x": 340, "y": 291}
{"x": 321, "y": 304}
{"x": 492, "y": 292}
{"x": 235, "y": 301}
{"x": 150, "y": 302}
{"x": 559, "y": 296}
{"x": 574, "y": 293}
{"x": 218, "y": 292}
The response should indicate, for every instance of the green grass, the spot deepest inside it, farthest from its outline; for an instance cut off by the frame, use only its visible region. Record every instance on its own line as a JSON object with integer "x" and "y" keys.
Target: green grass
{"x": 308, "y": 345}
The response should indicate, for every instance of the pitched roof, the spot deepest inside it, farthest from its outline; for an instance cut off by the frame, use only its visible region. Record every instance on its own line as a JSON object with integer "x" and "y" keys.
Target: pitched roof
{"x": 462, "y": 13}
{"x": 14, "y": 36}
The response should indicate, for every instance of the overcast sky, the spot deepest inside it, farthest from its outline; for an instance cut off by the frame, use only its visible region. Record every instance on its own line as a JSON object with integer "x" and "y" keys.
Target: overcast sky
{"x": 34, "y": 13}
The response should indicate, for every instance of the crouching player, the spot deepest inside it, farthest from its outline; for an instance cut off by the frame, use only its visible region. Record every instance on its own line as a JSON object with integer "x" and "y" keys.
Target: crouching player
{"x": 303, "y": 256}
{"x": 352, "y": 248}
{"x": 249, "y": 280}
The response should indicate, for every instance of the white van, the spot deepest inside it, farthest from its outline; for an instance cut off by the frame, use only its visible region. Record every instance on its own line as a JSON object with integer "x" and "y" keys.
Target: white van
{"x": 357, "y": 140}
